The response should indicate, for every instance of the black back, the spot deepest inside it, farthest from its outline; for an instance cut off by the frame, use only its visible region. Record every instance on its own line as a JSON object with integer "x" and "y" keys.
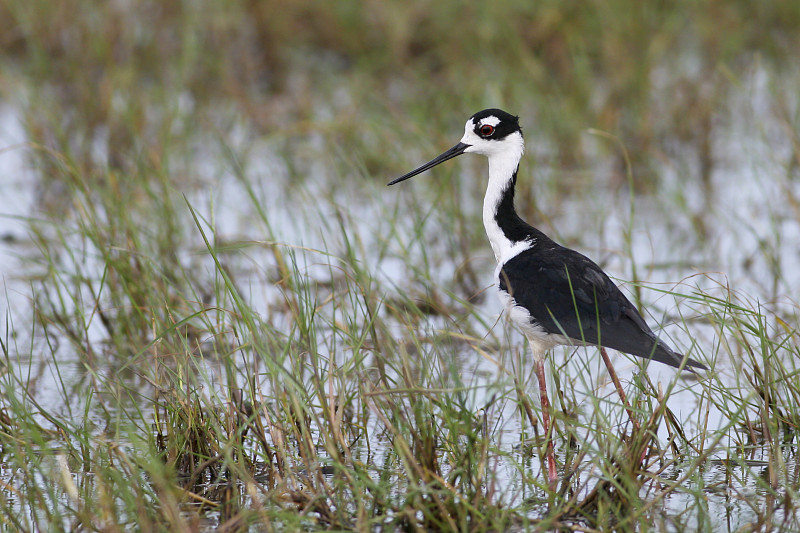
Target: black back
{"x": 566, "y": 293}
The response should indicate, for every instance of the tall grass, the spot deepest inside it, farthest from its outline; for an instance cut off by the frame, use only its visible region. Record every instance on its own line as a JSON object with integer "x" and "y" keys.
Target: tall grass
{"x": 233, "y": 326}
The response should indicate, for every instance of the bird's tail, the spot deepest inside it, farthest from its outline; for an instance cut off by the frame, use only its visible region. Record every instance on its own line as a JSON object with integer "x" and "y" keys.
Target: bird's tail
{"x": 662, "y": 354}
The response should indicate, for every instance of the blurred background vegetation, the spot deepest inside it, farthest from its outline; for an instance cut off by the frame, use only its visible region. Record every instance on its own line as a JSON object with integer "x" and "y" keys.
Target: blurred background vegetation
{"x": 650, "y": 73}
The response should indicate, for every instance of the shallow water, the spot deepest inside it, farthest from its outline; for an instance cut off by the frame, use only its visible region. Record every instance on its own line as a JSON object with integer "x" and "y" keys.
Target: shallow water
{"x": 750, "y": 248}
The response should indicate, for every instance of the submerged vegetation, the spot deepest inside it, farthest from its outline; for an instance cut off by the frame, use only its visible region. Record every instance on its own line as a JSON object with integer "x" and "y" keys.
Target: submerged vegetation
{"x": 217, "y": 317}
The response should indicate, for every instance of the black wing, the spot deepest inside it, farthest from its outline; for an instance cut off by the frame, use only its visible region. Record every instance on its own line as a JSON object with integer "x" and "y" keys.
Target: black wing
{"x": 565, "y": 293}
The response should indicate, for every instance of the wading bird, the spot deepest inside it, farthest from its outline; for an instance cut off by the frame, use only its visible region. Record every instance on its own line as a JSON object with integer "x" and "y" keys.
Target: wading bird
{"x": 553, "y": 294}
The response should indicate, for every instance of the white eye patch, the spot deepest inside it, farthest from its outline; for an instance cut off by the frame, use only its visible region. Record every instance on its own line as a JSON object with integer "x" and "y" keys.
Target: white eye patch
{"x": 490, "y": 121}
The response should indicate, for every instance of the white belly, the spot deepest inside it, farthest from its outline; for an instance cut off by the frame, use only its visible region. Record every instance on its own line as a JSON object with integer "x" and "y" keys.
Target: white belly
{"x": 539, "y": 339}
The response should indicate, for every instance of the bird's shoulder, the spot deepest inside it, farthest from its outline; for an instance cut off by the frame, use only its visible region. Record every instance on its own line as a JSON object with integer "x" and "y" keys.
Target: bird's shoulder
{"x": 548, "y": 275}
{"x": 548, "y": 262}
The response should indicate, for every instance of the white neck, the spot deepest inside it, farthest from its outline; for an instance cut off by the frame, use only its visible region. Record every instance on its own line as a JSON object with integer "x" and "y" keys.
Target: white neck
{"x": 502, "y": 166}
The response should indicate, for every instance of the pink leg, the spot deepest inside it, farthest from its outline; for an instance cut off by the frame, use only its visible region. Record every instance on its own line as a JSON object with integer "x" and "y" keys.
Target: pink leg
{"x": 618, "y": 386}
{"x": 552, "y": 477}
{"x": 622, "y": 397}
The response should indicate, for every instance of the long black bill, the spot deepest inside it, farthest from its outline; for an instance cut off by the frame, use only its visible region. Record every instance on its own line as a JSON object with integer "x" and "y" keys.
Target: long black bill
{"x": 450, "y": 154}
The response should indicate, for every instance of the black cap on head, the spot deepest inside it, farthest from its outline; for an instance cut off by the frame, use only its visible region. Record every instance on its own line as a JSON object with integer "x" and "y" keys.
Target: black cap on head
{"x": 507, "y": 124}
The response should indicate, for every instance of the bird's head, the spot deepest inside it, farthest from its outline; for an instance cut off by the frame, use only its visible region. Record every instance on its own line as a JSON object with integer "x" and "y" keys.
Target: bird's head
{"x": 491, "y": 132}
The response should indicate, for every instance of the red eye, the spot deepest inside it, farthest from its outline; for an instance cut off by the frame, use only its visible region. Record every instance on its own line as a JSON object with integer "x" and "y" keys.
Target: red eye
{"x": 486, "y": 130}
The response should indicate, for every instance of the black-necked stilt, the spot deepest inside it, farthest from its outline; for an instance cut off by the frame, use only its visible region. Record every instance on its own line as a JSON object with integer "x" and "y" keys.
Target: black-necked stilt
{"x": 554, "y": 294}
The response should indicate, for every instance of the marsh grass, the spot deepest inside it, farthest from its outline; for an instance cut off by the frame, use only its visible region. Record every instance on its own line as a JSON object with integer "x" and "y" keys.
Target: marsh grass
{"x": 232, "y": 326}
